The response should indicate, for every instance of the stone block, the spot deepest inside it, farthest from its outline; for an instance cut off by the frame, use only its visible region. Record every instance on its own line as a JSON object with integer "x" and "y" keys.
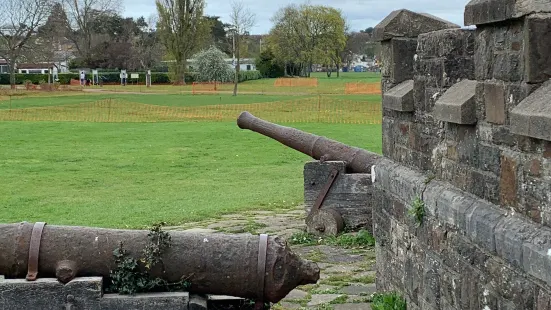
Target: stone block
{"x": 537, "y": 256}
{"x": 511, "y": 233}
{"x": 400, "y": 98}
{"x": 508, "y": 67}
{"x": 432, "y": 193}
{"x": 405, "y": 23}
{"x": 489, "y": 158}
{"x": 457, "y": 105}
{"x": 538, "y": 50}
{"x": 446, "y": 43}
{"x": 165, "y": 301}
{"x": 431, "y": 281}
{"x": 44, "y": 294}
{"x": 494, "y": 100}
{"x": 198, "y": 302}
{"x": 453, "y": 207}
{"x": 456, "y": 70}
{"x": 401, "y": 64}
{"x": 406, "y": 183}
{"x": 350, "y": 194}
{"x": 532, "y": 117}
{"x": 482, "y": 219}
{"x": 478, "y": 12}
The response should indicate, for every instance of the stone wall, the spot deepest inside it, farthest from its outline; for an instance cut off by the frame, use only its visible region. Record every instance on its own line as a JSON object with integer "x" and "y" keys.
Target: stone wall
{"x": 467, "y": 136}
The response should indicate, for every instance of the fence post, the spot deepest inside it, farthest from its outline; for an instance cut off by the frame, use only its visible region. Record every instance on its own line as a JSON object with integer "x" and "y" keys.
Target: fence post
{"x": 319, "y": 107}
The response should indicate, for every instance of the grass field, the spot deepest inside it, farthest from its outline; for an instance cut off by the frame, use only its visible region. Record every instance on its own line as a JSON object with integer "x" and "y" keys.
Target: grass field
{"x": 130, "y": 175}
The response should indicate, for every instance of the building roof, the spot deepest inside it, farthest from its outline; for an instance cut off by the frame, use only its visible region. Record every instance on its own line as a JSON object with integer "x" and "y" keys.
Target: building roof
{"x": 39, "y": 65}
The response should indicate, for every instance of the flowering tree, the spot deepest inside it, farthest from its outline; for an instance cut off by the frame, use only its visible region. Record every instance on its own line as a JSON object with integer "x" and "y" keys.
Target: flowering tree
{"x": 211, "y": 66}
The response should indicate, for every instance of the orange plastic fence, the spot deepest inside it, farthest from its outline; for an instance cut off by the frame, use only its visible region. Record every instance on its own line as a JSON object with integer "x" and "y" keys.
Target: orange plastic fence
{"x": 363, "y": 88}
{"x": 208, "y": 87}
{"x": 296, "y": 82}
{"x": 75, "y": 82}
{"x": 308, "y": 110}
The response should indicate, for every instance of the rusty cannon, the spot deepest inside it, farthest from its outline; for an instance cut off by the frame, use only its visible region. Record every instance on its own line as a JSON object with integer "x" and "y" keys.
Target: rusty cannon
{"x": 320, "y": 148}
{"x": 329, "y": 220}
{"x": 253, "y": 267}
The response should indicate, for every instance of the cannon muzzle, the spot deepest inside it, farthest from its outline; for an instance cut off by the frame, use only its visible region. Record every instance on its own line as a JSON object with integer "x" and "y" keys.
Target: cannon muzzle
{"x": 247, "y": 266}
{"x": 320, "y": 148}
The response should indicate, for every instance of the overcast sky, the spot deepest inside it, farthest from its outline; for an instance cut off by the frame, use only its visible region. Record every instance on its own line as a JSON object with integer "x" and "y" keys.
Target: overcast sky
{"x": 360, "y": 14}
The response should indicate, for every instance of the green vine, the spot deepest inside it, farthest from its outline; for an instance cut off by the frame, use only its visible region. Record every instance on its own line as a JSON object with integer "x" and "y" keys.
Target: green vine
{"x": 418, "y": 210}
{"x": 132, "y": 275}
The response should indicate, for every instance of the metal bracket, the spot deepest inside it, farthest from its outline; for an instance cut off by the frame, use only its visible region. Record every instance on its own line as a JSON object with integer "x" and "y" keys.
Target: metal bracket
{"x": 323, "y": 193}
{"x": 34, "y": 251}
{"x": 262, "y": 253}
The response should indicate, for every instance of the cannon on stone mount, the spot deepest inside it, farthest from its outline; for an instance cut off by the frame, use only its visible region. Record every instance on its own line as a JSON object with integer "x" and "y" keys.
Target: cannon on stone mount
{"x": 322, "y": 221}
{"x": 254, "y": 267}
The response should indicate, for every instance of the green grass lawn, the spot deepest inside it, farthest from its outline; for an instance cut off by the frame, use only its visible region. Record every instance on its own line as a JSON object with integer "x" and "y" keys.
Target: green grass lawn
{"x": 132, "y": 175}
{"x": 156, "y": 99}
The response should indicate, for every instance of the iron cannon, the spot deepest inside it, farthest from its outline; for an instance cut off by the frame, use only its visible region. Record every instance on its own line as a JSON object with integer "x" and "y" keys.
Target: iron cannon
{"x": 255, "y": 267}
{"x": 320, "y": 148}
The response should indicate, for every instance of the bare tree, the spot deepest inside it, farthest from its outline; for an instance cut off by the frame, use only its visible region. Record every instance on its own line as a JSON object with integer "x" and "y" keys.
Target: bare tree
{"x": 81, "y": 19}
{"x": 147, "y": 48}
{"x": 242, "y": 20}
{"x": 19, "y": 20}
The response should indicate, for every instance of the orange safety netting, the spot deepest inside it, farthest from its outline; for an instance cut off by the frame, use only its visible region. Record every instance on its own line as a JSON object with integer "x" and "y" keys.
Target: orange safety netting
{"x": 208, "y": 87}
{"x": 363, "y": 88}
{"x": 307, "y": 110}
{"x": 296, "y": 82}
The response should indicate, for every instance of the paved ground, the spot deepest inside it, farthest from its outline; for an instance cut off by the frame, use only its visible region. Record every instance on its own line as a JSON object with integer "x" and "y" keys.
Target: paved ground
{"x": 347, "y": 278}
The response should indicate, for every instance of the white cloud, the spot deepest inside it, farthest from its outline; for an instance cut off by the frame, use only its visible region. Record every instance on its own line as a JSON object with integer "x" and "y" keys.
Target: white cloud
{"x": 359, "y": 13}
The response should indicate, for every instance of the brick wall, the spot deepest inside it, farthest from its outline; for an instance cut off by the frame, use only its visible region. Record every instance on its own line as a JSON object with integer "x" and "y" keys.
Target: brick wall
{"x": 467, "y": 131}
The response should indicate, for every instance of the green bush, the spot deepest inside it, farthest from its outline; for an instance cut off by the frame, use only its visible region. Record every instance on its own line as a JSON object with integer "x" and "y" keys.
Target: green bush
{"x": 268, "y": 66}
{"x": 249, "y": 76}
{"x": 114, "y": 77}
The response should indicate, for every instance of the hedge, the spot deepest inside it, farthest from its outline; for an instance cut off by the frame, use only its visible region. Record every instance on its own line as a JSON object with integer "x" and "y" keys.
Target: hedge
{"x": 114, "y": 77}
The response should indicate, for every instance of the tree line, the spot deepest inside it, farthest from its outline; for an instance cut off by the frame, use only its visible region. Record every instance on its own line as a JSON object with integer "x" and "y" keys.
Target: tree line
{"x": 307, "y": 35}
{"x": 94, "y": 35}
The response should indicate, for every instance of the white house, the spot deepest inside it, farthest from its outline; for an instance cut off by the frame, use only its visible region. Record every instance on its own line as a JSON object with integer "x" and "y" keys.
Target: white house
{"x": 4, "y": 66}
{"x": 245, "y": 64}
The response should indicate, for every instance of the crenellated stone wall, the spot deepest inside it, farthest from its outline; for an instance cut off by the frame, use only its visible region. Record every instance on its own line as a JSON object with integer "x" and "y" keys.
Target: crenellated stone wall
{"x": 467, "y": 139}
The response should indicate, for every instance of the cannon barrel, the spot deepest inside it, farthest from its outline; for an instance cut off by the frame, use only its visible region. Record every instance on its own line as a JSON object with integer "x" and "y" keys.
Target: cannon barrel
{"x": 320, "y": 148}
{"x": 213, "y": 263}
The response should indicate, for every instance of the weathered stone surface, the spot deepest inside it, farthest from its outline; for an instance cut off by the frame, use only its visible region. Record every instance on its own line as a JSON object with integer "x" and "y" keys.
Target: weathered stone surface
{"x": 479, "y": 12}
{"x": 481, "y": 222}
{"x": 366, "y": 290}
{"x": 538, "y": 50}
{"x": 405, "y": 23}
{"x": 511, "y": 234}
{"x": 494, "y": 99}
{"x": 453, "y": 208}
{"x": 457, "y": 105}
{"x": 532, "y": 117}
{"x": 169, "y": 301}
{"x": 350, "y": 193}
{"x": 537, "y": 256}
{"x": 400, "y": 60}
{"x": 400, "y": 98}
{"x": 446, "y": 43}
{"x": 81, "y": 293}
{"x": 322, "y": 299}
{"x": 508, "y": 181}
{"x": 198, "y": 302}
{"x": 296, "y": 295}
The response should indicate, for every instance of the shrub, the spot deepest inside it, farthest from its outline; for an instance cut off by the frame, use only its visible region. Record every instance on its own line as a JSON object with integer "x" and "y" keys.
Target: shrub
{"x": 388, "y": 301}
